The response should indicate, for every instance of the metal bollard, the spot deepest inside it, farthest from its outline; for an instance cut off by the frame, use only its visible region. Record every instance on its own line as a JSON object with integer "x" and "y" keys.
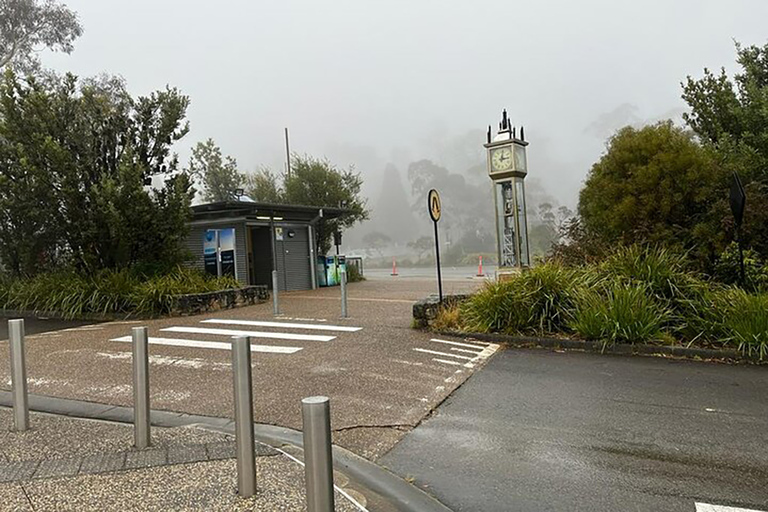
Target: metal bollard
{"x": 246, "y": 462}
{"x": 141, "y": 426}
{"x": 275, "y": 301}
{"x": 318, "y": 458}
{"x": 18, "y": 375}
{"x": 343, "y": 281}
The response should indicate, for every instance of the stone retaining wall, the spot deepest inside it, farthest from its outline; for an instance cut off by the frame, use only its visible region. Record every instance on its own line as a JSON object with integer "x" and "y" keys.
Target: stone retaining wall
{"x": 425, "y": 310}
{"x": 197, "y": 303}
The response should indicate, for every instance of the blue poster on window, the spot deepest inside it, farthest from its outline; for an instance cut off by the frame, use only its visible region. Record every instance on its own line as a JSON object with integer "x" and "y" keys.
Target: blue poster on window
{"x": 210, "y": 252}
{"x": 219, "y": 252}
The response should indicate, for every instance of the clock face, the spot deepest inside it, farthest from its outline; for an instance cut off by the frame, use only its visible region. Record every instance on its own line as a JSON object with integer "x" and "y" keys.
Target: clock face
{"x": 501, "y": 159}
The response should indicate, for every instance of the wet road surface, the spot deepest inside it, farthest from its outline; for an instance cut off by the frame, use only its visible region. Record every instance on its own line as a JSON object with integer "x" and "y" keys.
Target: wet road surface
{"x": 545, "y": 431}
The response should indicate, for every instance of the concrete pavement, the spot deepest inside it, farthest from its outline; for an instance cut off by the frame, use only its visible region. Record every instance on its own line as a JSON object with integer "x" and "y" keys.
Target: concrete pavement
{"x": 383, "y": 378}
{"x": 547, "y": 431}
{"x": 84, "y": 465}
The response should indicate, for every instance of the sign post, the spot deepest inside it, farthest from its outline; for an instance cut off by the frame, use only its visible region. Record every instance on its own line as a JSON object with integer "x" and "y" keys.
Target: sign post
{"x": 738, "y": 200}
{"x": 435, "y": 210}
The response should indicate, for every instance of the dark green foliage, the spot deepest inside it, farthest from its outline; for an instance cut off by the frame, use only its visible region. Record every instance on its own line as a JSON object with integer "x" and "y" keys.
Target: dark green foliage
{"x": 618, "y": 313}
{"x": 105, "y": 292}
{"x": 536, "y": 302}
{"x": 666, "y": 275}
{"x": 314, "y": 182}
{"x": 74, "y": 157}
{"x": 638, "y": 294}
{"x": 744, "y": 322}
{"x": 730, "y": 117}
{"x": 654, "y": 185}
{"x": 728, "y": 269}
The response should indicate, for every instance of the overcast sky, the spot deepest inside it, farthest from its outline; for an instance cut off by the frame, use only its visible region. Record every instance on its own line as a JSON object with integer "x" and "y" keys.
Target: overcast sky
{"x": 368, "y": 82}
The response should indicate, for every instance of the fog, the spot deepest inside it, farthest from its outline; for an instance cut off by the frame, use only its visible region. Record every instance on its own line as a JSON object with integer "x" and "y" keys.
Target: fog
{"x": 371, "y": 83}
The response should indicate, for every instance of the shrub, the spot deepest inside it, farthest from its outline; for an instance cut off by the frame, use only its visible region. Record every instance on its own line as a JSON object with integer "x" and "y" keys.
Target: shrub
{"x": 743, "y": 321}
{"x": 537, "y": 301}
{"x": 619, "y": 313}
{"x": 664, "y": 273}
{"x": 448, "y": 318}
{"x": 108, "y": 291}
{"x": 728, "y": 269}
{"x": 353, "y": 274}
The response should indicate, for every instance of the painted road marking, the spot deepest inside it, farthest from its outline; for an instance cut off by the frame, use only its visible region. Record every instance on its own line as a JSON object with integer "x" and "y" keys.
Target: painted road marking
{"x": 446, "y": 362}
{"x": 465, "y": 350}
{"x": 480, "y": 352}
{"x": 220, "y": 345}
{"x": 705, "y": 507}
{"x": 284, "y": 325}
{"x": 252, "y": 334}
{"x": 457, "y": 344}
{"x": 434, "y": 352}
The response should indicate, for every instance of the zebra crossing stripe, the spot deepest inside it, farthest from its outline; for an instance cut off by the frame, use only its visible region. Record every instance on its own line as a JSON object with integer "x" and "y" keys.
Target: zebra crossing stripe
{"x": 252, "y": 334}
{"x": 219, "y": 345}
{"x": 284, "y": 325}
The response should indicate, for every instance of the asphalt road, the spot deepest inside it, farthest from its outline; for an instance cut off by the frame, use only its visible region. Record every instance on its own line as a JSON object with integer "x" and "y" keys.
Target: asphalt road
{"x": 39, "y": 325}
{"x": 448, "y": 272}
{"x": 544, "y": 431}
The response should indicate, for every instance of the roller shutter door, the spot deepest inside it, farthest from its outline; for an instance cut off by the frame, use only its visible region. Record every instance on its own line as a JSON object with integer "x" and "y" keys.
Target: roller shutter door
{"x": 293, "y": 260}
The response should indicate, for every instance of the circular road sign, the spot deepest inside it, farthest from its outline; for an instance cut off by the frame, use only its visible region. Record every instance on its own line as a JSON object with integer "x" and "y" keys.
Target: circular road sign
{"x": 433, "y": 204}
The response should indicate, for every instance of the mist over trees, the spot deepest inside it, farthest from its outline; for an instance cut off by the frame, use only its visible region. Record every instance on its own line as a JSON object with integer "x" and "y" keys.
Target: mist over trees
{"x": 217, "y": 174}
{"x": 668, "y": 185}
{"x": 28, "y": 26}
{"x": 392, "y": 214}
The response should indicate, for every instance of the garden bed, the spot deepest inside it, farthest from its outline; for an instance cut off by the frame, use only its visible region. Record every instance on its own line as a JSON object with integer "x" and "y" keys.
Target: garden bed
{"x": 639, "y": 300}
{"x": 110, "y": 295}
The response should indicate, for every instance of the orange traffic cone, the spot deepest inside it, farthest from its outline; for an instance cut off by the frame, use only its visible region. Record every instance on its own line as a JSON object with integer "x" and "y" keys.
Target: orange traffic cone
{"x": 394, "y": 267}
{"x": 480, "y": 268}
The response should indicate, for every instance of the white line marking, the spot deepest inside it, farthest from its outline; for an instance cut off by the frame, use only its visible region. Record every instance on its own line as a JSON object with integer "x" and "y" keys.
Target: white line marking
{"x": 488, "y": 351}
{"x": 284, "y": 325}
{"x": 478, "y": 342}
{"x": 705, "y": 507}
{"x": 465, "y": 351}
{"x": 341, "y": 491}
{"x": 252, "y": 334}
{"x": 409, "y": 363}
{"x": 457, "y": 344}
{"x": 220, "y": 345}
{"x": 446, "y": 362}
{"x": 433, "y": 352}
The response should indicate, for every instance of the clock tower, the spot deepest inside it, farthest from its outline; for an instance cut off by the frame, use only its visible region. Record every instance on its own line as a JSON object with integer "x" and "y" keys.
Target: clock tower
{"x": 507, "y": 168}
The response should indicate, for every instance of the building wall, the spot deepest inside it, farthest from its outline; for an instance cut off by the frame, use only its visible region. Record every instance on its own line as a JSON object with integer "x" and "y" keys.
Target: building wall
{"x": 194, "y": 244}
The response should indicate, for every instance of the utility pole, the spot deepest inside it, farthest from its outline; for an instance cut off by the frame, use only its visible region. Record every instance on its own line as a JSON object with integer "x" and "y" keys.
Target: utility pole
{"x": 287, "y": 153}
